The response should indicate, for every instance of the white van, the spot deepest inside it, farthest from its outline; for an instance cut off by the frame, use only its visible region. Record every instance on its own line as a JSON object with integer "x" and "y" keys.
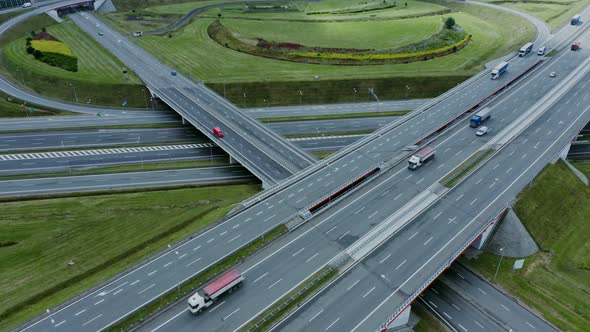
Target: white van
{"x": 542, "y": 50}
{"x": 27, "y": 5}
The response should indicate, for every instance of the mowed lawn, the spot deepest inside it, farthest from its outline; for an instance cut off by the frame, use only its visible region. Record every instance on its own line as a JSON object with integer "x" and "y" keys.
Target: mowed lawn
{"x": 365, "y": 35}
{"x": 107, "y": 233}
{"x": 555, "y": 281}
{"x": 191, "y": 51}
{"x": 555, "y": 12}
{"x": 95, "y": 64}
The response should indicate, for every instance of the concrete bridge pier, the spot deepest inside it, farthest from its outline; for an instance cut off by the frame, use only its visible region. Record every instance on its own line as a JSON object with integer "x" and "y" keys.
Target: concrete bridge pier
{"x": 400, "y": 321}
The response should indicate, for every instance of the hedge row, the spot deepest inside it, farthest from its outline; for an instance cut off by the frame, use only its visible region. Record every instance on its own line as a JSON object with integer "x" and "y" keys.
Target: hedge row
{"x": 386, "y": 56}
{"x": 63, "y": 61}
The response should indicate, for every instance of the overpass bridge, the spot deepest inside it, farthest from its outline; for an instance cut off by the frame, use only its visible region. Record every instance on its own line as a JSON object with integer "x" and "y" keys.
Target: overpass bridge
{"x": 263, "y": 152}
{"x": 307, "y": 195}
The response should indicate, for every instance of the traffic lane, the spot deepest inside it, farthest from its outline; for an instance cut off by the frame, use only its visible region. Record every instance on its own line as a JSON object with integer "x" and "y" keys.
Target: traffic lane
{"x": 85, "y": 183}
{"x": 493, "y": 301}
{"x": 457, "y": 204}
{"x": 153, "y": 73}
{"x": 94, "y": 137}
{"x": 32, "y": 166}
{"x": 265, "y": 282}
{"x": 327, "y": 126}
{"x": 455, "y": 310}
{"x": 499, "y": 188}
{"x": 81, "y": 122}
{"x": 340, "y": 237}
{"x": 331, "y": 109}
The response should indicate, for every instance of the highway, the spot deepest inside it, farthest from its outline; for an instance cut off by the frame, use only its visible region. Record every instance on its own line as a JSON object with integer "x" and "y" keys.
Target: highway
{"x": 342, "y": 227}
{"x": 444, "y": 229}
{"x": 263, "y": 152}
{"x": 468, "y": 303}
{"x": 282, "y": 206}
{"x": 69, "y": 160}
{"x": 30, "y": 141}
{"x": 333, "y": 109}
{"x": 124, "y": 181}
{"x": 263, "y": 215}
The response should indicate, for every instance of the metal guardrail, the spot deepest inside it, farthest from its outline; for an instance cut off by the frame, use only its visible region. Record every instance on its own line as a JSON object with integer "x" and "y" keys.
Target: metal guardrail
{"x": 438, "y": 272}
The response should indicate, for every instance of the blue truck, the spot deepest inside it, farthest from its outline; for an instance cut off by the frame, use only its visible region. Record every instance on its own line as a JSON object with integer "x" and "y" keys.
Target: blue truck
{"x": 575, "y": 20}
{"x": 499, "y": 69}
{"x": 480, "y": 117}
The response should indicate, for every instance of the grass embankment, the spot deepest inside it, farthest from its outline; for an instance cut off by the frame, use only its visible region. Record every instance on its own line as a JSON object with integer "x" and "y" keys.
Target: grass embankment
{"x": 554, "y": 12}
{"x": 99, "y": 79}
{"x": 290, "y": 300}
{"x": 262, "y": 94}
{"x": 122, "y": 169}
{"x": 123, "y": 228}
{"x": 333, "y": 116}
{"x": 196, "y": 282}
{"x": 322, "y": 155}
{"x": 556, "y": 281}
{"x": 11, "y": 107}
{"x": 493, "y": 34}
{"x": 460, "y": 171}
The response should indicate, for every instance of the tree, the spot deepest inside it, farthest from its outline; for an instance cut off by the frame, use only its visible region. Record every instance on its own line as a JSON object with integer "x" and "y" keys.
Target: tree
{"x": 449, "y": 22}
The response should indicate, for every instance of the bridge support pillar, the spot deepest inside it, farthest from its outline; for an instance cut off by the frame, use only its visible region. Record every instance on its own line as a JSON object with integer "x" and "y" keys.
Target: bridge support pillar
{"x": 401, "y": 320}
{"x": 482, "y": 239}
{"x": 53, "y": 14}
{"x": 184, "y": 122}
{"x": 563, "y": 154}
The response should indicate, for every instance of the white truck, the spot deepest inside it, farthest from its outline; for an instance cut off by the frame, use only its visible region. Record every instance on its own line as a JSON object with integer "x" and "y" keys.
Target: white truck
{"x": 205, "y": 297}
{"x": 27, "y": 5}
{"x": 499, "y": 70}
{"x": 421, "y": 157}
{"x": 525, "y": 49}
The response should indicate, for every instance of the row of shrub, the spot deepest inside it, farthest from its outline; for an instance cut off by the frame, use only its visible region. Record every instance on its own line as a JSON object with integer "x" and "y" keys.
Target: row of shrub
{"x": 53, "y": 53}
{"x": 388, "y": 56}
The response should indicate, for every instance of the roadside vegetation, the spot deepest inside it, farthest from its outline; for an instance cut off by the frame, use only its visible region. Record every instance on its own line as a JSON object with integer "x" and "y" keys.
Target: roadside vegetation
{"x": 555, "y": 12}
{"x": 249, "y": 80}
{"x": 555, "y": 209}
{"x": 67, "y": 65}
{"x": 333, "y": 116}
{"x": 11, "y": 107}
{"x": 51, "y": 245}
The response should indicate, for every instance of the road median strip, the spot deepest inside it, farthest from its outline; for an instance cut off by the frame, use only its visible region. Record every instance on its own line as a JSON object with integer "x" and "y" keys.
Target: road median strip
{"x": 333, "y": 116}
{"x": 462, "y": 170}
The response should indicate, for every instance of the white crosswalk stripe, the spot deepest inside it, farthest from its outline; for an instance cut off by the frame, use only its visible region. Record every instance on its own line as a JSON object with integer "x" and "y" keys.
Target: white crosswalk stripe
{"x": 79, "y": 153}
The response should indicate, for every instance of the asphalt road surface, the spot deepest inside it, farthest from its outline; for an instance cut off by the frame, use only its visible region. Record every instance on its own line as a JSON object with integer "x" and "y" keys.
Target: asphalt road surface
{"x": 281, "y": 207}
{"x": 468, "y": 303}
{"x": 109, "y": 182}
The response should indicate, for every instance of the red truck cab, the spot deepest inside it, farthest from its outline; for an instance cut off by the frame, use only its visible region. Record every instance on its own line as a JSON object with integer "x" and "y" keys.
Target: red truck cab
{"x": 217, "y": 132}
{"x": 575, "y": 46}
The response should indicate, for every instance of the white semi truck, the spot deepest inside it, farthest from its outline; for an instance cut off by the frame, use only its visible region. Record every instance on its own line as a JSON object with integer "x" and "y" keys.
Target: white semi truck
{"x": 205, "y": 297}
{"x": 421, "y": 157}
{"x": 499, "y": 70}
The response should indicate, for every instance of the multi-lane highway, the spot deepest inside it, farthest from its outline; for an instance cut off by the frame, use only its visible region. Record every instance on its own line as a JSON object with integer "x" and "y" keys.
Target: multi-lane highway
{"x": 389, "y": 142}
{"x": 120, "y": 181}
{"x": 281, "y": 207}
{"x": 260, "y": 150}
{"x": 466, "y": 302}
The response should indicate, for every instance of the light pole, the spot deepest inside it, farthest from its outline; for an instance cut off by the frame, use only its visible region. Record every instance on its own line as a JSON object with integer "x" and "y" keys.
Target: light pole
{"x": 75, "y": 94}
{"x": 354, "y": 95}
{"x": 500, "y": 262}
{"x": 300, "y": 96}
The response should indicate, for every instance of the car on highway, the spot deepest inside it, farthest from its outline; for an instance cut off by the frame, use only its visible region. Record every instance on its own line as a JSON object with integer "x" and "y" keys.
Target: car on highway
{"x": 482, "y": 131}
{"x": 100, "y": 33}
{"x": 552, "y": 74}
{"x": 173, "y": 73}
{"x": 217, "y": 132}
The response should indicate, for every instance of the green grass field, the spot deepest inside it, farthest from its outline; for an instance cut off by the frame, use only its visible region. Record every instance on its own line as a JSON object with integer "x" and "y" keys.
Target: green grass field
{"x": 555, "y": 12}
{"x": 99, "y": 79}
{"x": 340, "y": 34}
{"x": 556, "y": 281}
{"x": 101, "y": 234}
{"x": 493, "y": 35}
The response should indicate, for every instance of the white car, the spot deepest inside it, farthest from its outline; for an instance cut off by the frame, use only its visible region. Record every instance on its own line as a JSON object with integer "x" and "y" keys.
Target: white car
{"x": 552, "y": 74}
{"x": 481, "y": 131}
